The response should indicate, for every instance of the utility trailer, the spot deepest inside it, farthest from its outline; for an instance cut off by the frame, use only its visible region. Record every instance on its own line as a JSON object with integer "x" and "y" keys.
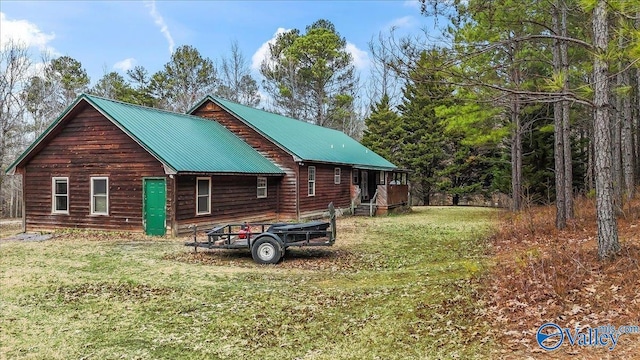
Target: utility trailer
{"x": 269, "y": 241}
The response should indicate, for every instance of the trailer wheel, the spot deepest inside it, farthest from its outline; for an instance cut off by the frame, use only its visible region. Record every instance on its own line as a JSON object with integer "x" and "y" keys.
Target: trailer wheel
{"x": 266, "y": 250}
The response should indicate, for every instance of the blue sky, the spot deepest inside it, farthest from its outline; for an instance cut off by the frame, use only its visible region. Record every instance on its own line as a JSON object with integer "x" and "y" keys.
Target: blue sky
{"x": 116, "y": 35}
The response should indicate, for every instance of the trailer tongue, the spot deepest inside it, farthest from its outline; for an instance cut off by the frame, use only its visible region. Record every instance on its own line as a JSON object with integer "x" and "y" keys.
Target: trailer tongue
{"x": 269, "y": 241}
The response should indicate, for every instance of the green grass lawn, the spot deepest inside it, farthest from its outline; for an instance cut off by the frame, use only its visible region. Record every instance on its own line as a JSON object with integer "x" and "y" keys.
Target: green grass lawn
{"x": 397, "y": 287}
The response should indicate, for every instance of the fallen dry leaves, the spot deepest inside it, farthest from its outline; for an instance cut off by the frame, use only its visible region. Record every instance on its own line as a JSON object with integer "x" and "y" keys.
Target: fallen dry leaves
{"x": 544, "y": 275}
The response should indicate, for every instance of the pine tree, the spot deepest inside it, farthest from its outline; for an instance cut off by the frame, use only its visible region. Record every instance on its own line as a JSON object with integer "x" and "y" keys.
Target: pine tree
{"x": 467, "y": 169}
{"x": 423, "y": 139}
{"x": 311, "y": 76}
{"x": 384, "y": 131}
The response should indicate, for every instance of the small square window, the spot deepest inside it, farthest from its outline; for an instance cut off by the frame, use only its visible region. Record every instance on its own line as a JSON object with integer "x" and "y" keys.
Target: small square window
{"x": 262, "y": 187}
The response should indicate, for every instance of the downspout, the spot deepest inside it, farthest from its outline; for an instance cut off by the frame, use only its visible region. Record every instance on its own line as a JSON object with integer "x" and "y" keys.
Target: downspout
{"x": 297, "y": 190}
{"x": 278, "y": 200}
{"x": 24, "y": 200}
{"x": 174, "y": 204}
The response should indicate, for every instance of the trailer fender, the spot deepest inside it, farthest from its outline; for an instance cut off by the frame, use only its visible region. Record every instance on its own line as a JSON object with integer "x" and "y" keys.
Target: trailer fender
{"x": 267, "y": 249}
{"x": 273, "y": 236}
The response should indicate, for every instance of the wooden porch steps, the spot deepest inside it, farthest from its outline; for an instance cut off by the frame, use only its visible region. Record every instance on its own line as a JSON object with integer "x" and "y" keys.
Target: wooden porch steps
{"x": 363, "y": 210}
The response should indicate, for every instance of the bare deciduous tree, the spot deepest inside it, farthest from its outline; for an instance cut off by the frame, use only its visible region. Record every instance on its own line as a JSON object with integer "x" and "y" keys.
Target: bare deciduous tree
{"x": 236, "y": 82}
{"x": 14, "y": 69}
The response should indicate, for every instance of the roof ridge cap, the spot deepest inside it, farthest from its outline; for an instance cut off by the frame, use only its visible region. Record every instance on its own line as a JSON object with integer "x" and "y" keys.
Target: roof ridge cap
{"x": 218, "y": 98}
{"x": 144, "y": 107}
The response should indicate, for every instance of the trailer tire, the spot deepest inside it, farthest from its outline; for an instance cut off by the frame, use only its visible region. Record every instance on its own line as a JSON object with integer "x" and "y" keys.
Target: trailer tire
{"x": 266, "y": 250}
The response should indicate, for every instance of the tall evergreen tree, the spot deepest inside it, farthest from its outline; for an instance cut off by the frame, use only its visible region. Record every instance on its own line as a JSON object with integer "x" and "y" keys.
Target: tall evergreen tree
{"x": 185, "y": 79}
{"x": 311, "y": 76}
{"x": 478, "y": 161}
{"x": 72, "y": 77}
{"x": 50, "y": 91}
{"x": 140, "y": 81}
{"x": 467, "y": 169}
{"x": 113, "y": 86}
{"x": 423, "y": 141}
{"x": 384, "y": 133}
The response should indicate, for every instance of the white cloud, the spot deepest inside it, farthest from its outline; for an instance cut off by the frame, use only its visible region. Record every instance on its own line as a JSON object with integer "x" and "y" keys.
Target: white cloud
{"x": 263, "y": 51}
{"x": 25, "y": 33}
{"x": 412, "y": 4}
{"x": 159, "y": 20}
{"x": 125, "y": 64}
{"x": 403, "y": 22}
{"x": 360, "y": 57}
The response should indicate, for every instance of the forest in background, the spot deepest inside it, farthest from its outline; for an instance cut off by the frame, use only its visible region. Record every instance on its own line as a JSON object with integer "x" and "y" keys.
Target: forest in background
{"x": 538, "y": 100}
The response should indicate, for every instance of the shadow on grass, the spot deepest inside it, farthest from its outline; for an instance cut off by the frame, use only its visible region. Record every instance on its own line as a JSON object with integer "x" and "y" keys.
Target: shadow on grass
{"x": 298, "y": 258}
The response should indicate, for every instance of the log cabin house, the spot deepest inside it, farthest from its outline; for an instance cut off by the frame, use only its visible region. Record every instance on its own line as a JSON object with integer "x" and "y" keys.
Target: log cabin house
{"x": 311, "y": 157}
{"x": 109, "y": 165}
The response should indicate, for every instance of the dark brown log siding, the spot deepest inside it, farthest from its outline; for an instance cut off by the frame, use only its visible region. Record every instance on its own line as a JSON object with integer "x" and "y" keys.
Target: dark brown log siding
{"x": 271, "y": 151}
{"x": 397, "y": 195}
{"x": 90, "y": 145}
{"x": 326, "y": 190}
{"x": 233, "y": 199}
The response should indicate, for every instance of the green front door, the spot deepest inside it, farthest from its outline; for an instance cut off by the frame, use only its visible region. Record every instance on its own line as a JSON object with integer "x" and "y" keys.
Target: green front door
{"x": 154, "y": 207}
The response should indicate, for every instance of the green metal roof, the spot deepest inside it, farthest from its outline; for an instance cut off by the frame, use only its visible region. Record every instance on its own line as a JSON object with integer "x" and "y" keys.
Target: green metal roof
{"x": 304, "y": 140}
{"x": 184, "y": 143}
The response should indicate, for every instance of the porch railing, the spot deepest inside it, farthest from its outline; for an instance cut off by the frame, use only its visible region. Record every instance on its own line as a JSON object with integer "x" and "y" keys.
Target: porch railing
{"x": 373, "y": 204}
{"x": 355, "y": 201}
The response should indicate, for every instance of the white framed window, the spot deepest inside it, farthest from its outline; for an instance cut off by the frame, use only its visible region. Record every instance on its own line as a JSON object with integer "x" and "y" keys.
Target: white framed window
{"x": 380, "y": 178}
{"x": 312, "y": 180}
{"x": 336, "y": 175}
{"x": 203, "y": 196}
{"x": 356, "y": 176}
{"x": 99, "y": 196}
{"x": 262, "y": 187}
{"x": 60, "y": 195}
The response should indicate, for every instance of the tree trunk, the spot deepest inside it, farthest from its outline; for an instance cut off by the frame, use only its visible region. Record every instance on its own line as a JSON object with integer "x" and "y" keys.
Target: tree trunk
{"x": 616, "y": 143}
{"x": 608, "y": 244}
{"x": 627, "y": 141}
{"x": 558, "y": 130}
{"x": 558, "y": 155}
{"x": 426, "y": 193}
{"x": 625, "y": 122}
{"x": 566, "y": 118}
{"x": 616, "y": 152}
{"x": 588, "y": 149}
{"x": 12, "y": 203}
{"x": 637, "y": 124}
{"x": 516, "y": 157}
